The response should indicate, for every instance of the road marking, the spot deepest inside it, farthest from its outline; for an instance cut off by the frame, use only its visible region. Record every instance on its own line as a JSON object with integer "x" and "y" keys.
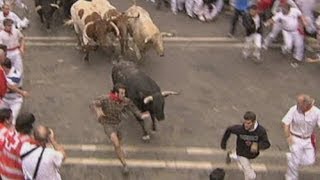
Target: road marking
{"x": 184, "y": 165}
{"x": 200, "y": 151}
{"x": 171, "y": 39}
{"x": 168, "y": 164}
{"x": 191, "y": 45}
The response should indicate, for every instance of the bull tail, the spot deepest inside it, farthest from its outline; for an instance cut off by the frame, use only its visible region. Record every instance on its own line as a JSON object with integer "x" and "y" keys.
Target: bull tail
{"x": 68, "y": 22}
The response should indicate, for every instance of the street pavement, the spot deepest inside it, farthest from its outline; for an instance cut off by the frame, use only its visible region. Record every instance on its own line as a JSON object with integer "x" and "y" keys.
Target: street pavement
{"x": 217, "y": 86}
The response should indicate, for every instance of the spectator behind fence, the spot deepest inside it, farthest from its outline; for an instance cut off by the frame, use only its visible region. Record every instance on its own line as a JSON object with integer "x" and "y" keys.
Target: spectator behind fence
{"x": 42, "y": 161}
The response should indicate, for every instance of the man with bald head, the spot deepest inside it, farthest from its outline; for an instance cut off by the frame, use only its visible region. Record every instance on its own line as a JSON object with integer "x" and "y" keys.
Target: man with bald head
{"x": 299, "y": 124}
{"x": 43, "y": 161}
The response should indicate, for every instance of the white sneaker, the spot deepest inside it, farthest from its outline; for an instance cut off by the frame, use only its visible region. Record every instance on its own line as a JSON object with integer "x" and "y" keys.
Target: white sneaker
{"x": 245, "y": 54}
{"x": 264, "y": 46}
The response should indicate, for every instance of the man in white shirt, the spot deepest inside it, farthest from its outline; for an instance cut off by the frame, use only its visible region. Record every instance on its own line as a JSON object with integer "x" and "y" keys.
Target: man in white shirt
{"x": 299, "y": 124}
{"x": 51, "y": 160}
{"x": 292, "y": 31}
{"x": 7, "y": 13}
{"x": 276, "y": 27}
{"x": 15, "y": 3}
{"x": 14, "y": 40}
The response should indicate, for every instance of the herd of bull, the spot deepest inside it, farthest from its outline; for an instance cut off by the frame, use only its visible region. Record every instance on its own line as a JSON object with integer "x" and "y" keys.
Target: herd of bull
{"x": 95, "y": 23}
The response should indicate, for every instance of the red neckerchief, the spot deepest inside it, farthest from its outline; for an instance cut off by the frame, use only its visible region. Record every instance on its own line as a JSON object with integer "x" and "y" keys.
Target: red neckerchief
{"x": 9, "y": 32}
{"x": 114, "y": 97}
{"x": 5, "y": 14}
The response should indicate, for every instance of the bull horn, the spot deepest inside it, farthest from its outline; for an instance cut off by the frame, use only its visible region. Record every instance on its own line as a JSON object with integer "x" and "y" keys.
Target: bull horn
{"x": 147, "y": 99}
{"x": 168, "y": 93}
{"x": 38, "y": 8}
{"x": 55, "y": 5}
{"x": 167, "y": 34}
{"x": 133, "y": 16}
{"x": 115, "y": 28}
{"x": 147, "y": 39}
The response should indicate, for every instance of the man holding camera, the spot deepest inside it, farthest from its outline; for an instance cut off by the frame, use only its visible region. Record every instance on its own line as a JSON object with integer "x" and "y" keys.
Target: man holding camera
{"x": 42, "y": 161}
{"x": 251, "y": 137}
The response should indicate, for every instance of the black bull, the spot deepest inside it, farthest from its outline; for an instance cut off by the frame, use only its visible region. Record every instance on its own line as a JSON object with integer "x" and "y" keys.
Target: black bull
{"x": 46, "y": 9}
{"x": 142, "y": 90}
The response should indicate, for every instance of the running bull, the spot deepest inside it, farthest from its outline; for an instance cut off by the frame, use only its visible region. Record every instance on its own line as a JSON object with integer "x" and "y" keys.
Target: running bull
{"x": 144, "y": 32}
{"x": 143, "y": 91}
{"x": 46, "y": 9}
{"x": 91, "y": 29}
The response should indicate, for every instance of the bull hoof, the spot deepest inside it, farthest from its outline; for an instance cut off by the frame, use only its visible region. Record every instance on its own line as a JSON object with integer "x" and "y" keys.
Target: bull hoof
{"x": 146, "y": 137}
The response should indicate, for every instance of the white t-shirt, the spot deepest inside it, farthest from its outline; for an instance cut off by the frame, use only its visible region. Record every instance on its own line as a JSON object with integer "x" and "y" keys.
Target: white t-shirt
{"x": 49, "y": 165}
{"x": 290, "y": 21}
{"x": 302, "y": 124}
{"x": 14, "y": 79}
{"x": 11, "y": 40}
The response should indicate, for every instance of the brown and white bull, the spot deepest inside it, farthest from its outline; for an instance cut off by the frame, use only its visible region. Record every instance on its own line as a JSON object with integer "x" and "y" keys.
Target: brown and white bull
{"x": 144, "y": 32}
{"x": 90, "y": 27}
{"x": 121, "y": 19}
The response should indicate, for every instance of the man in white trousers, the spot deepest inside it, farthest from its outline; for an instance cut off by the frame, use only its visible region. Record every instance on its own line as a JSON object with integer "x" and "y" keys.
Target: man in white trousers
{"x": 299, "y": 124}
{"x": 13, "y": 99}
{"x": 292, "y": 31}
{"x": 253, "y": 25}
{"x": 14, "y": 40}
{"x": 276, "y": 27}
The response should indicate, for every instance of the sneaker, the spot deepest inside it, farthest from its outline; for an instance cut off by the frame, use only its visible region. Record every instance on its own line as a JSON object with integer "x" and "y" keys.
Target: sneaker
{"x": 265, "y": 47}
{"x": 125, "y": 170}
{"x": 228, "y": 159}
{"x": 230, "y": 35}
{"x": 294, "y": 64}
{"x": 284, "y": 50}
{"x": 258, "y": 59}
{"x": 245, "y": 54}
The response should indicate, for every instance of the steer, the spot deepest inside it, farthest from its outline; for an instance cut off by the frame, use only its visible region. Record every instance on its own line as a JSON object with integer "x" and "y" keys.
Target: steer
{"x": 122, "y": 22}
{"x": 46, "y": 9}
{"x": 144, "y": 32}
{"x": 142, "y": 90}
{"x": 91, "y": 29}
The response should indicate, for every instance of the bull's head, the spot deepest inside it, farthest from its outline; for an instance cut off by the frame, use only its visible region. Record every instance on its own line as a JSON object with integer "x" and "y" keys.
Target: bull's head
{"x": 157, "y": 42}
{"x": 156, "y": 103}
{"x": 46, "y": 11}
{"x": 102, "y": 27}
{"x": 122, "y": 22}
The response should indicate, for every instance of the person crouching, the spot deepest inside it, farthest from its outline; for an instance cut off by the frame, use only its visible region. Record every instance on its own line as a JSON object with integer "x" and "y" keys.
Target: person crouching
{"x": 253, "y": 41}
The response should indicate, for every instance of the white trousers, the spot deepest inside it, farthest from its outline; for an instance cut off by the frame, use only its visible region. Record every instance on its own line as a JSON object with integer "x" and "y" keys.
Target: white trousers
{"x": 252, "y": 45}
{"x": 301, "y": 153}
{"x": 16, "y": 60}
{"x": 245, "y": 165}
{"x": 294, "y": 39}
{"x": 276, "y": 29}
{"x": 219, "y": 5}
{"x": 177, "y": 5}
{"x": 14, "y": 105}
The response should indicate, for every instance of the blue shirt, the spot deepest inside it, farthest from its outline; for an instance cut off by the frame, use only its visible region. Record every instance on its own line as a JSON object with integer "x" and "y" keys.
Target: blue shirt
{"x": 242, "y": 5}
